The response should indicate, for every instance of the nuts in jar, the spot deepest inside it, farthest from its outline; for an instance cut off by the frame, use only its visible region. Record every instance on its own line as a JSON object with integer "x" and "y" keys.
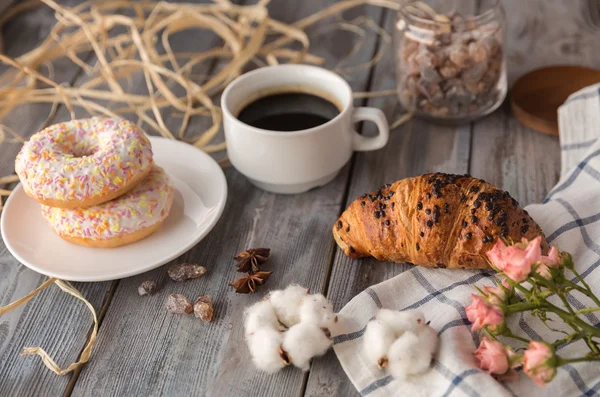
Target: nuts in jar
{"x": 449, "y": 66}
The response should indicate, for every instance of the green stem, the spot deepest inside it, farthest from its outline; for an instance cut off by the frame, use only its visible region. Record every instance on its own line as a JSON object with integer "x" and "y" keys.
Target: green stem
{"x": 509, "y": 334}
{"x": 566, "y": 303}
{"x": 569, "y": 338}
{"x": 587, "y": 291}
{"x": 592, "y": 345}
{"x": 520, "y": 307}
{"x": 569, "y": 318}
{"x": 518, "y": 286}
{"x": 588, "y": 310}
{"x": 563, "y": 361}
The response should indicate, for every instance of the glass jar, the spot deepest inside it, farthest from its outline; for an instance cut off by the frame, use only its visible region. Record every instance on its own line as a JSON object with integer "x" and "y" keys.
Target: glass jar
{"x": 450, "y": 62}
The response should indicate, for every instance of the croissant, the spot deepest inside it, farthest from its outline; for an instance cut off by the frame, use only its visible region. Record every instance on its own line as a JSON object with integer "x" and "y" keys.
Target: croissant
{"x": 434, "y": 220}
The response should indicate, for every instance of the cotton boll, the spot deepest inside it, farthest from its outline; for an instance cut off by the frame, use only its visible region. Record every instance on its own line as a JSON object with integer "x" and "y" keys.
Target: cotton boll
{"x": 264, "y": 345}
{"x": 428, "y": 337}
{"x": 287, "y": 303}
{"x": 304, "y": 341}
{"x": 408, "y": 356}
{"x": 260, "y": 315}
{"x": 316, "y": 309}
{"x": 377, "y": 340}
{"x": 407, "y": 320}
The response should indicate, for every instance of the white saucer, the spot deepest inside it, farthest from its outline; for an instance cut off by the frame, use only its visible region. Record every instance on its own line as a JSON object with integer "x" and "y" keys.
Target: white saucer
{"x": 200, "y": 195}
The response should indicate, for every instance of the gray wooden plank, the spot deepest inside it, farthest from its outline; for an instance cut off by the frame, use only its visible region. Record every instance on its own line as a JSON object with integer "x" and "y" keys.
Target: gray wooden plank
{"x": 99, "y": 294}
{"x": 540, "y": 33}
{"x": 183, "y": 356}
{"x": 53, "y": 320}
{"x": 504, "y": 152}
{"x": 414, "y": 148}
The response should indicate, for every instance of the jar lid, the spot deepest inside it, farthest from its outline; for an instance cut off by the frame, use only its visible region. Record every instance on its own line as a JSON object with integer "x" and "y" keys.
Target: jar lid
{"x": 537, "y": 95}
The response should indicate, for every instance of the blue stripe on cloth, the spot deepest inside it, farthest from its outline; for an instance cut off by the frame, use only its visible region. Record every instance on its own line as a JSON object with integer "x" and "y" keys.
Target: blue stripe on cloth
{"x": 444, "y": 299}
{"x": 527, "y": 329}
{"x": 454, "y": 323}
{"x": 582, "y": 166}
{"x": 341, "y": 338}
{"x": 587, "y": 271}
{"x": 457, "y": 380}
{"x": 572, "y": 225}
{"x": 435, "y": 293}
{"x": 348, "y": 337}
{"x": 470, "y": 280}
{"x": 376, "y": 385}
{"x": 374, "y": 296}
{"x": 592, "y": 172}
{"x": 578, "y": 145}
{"x": 579, "y": 382}
{"x": 572, "y": 177}
{"x": 578, "y": 305}
{"x": 586, "y": 237}
{"x": 594, "y": 388}
{"x": 575, "y": 376}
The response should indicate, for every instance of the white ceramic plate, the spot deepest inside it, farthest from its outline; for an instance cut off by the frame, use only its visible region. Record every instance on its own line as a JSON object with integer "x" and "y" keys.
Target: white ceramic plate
{"x": 200, "y": 195}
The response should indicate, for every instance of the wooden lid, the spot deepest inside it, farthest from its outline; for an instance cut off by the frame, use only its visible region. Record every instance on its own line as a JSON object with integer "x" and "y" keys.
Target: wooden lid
{"x": 536, "y": 96}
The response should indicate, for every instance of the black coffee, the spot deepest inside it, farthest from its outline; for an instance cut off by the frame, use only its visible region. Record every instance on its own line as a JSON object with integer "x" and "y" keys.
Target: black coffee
{"x": 291, "y": 111}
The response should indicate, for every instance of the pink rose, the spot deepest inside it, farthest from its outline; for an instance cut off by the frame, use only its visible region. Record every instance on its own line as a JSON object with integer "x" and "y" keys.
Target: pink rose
{"x": 495, "y": 295}
{"x": 481, "y": 313}
{"x": 492, "y": 357}
{"x": 506, "y": 285}
{"x": 516, "y": 260}
{"x": 546, "y": 262}
{"x": 553, "y": 258}
{"x": 544, "y": 271}
{"x": 538, "y": 363}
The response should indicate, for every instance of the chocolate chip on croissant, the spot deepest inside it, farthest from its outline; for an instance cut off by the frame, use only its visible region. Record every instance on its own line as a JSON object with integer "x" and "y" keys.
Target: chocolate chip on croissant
{"x": 433, "y": 220}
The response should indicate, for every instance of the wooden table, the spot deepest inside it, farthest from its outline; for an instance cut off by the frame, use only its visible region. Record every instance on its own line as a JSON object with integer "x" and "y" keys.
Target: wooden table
{"x": 144, "y": 350}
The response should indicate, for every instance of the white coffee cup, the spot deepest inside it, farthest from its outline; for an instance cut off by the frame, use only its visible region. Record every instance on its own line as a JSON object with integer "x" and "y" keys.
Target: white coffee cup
{"x": 295, "y": 161}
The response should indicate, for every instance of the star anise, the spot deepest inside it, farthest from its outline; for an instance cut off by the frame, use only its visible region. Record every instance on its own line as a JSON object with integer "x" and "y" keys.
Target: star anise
{"x": 248, "y": 284}
{"x": 250, "y": 260}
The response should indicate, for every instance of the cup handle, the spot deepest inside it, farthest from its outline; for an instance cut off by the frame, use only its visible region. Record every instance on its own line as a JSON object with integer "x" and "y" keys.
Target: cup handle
{"x": 362, "y": 143}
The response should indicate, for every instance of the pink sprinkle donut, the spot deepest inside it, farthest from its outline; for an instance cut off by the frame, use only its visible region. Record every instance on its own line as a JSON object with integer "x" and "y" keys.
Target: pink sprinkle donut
{"x": 85, "y": 162}
{"x": 124, "y": 220}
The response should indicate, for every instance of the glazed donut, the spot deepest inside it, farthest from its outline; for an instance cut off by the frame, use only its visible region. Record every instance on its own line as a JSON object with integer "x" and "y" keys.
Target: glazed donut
{"x": 124, "y": 220}
{"x": 82, "y": 163}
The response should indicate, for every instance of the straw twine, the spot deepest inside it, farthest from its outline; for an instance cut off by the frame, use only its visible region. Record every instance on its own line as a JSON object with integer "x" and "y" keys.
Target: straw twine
{"x": 125, "y": 38}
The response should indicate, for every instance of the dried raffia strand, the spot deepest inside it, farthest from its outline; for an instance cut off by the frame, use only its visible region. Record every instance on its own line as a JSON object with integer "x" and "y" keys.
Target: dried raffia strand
{"x": 87, "y": 28}
{"x": 47, "y": 360}
{"x": 243, "y": 30}
{"x": 374, "y": 94}
{"x": 8, "y": 179}
{"x": 401, "y": 120}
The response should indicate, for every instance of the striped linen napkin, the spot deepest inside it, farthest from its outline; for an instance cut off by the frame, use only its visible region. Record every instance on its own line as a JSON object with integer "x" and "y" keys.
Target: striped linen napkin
{"x": 570, "y": 217}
